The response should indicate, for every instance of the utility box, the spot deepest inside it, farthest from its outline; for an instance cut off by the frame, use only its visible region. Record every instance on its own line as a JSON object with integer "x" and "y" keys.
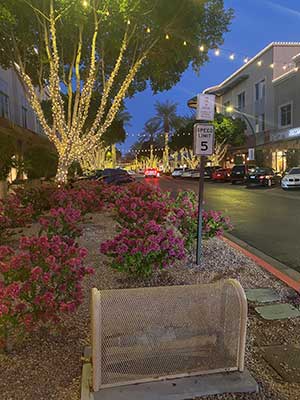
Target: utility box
{"x": 151, "y": 334}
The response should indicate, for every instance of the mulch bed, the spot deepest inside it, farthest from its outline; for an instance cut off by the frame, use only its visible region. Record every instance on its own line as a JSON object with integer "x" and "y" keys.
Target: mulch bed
{"x": 47, "y": 365}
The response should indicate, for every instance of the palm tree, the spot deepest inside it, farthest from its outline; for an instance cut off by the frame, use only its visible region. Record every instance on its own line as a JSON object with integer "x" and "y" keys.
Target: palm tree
{"x": 167, "y": 120}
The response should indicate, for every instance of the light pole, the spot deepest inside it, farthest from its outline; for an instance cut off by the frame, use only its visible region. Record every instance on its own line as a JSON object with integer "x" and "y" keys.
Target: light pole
{"x": 236, "y": 113}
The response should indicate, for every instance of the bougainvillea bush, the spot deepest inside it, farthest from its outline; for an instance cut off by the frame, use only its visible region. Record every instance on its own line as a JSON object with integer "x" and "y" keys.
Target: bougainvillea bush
{"x": 38, "y": 198}
{"x": 63, "y": 222}
{"x": 87, "y": 201}
{"x": 141, "y": 251}
{"x": 13, "y": 214}
{"x": 39, "y": 283}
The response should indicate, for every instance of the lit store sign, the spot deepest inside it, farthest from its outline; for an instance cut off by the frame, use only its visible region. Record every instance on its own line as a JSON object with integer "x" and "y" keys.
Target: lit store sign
{"x": 291, "y": 133}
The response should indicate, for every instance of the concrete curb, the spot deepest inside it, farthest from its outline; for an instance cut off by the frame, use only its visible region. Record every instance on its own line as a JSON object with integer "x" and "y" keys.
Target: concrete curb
{"x": 281, "y": 271}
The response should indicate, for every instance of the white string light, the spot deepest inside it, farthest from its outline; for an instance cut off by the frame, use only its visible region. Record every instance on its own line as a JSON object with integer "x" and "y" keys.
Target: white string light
{"x": 217, "y": 52}
{"x": 232, "y": 56}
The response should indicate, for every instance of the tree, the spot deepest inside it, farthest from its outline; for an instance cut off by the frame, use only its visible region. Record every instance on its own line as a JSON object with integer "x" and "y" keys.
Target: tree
{"x": 168, "y": 120}
{"x": 229, "y": 132}
{"x": 66, "y": 49}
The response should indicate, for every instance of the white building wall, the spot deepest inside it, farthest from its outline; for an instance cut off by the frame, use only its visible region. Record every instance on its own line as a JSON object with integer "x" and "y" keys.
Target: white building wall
{"x": 12, "y": 87}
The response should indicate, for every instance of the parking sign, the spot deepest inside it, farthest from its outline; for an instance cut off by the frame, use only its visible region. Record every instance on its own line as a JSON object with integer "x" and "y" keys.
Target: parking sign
{"x": 204, "y": 138}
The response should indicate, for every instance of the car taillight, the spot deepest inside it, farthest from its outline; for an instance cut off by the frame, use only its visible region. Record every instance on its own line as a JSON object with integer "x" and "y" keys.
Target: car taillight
{"x": 262, "y": 177}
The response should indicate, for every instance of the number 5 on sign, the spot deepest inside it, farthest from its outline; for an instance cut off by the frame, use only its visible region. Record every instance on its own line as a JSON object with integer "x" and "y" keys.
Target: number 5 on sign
{"x": 204, "y": 139}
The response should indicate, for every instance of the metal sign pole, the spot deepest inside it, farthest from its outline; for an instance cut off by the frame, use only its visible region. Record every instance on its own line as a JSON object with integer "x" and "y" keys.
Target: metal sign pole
{"x": 200, "y": 211}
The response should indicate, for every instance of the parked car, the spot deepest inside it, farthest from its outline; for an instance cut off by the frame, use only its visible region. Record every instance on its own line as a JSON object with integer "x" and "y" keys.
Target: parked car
{"x": 178, "y": 172}
{"x": 151, "y": 173}
{"x": 291, "y": 179}
{"x": 239, "y": 173}
{"x": 115, "y": 176}
{"x": 262, "y": 177}
{"x": 208, "y": 171}
{"x": 221, "y": 175}
{"x": 196, "y": 174}
{"x": 187, "y": 173}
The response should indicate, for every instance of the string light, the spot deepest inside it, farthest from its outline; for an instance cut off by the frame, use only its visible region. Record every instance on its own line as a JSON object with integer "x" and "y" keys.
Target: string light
{"x": 201, "y": 48}
{"x": 246, "y": 60}
{"x": 148, "y": 30}
{"x": 259, "y": 63}
{"x": 217, "y": 52}
{"x": 272, "y": 65}
{"x": 128, "y": 22}
{"x": 185, "y": 43}
{"x": 167, "y": 37}
{"x": 85, "y": 3}
{"x": 284, "y": 67}
{"x": 232, "y": 56}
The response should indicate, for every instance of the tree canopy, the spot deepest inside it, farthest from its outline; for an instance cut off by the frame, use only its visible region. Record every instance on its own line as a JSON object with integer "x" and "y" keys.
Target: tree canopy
{"x": 227, "y": 130}
{"x": 70, "y": 49}
{"x": 190, "y": 22}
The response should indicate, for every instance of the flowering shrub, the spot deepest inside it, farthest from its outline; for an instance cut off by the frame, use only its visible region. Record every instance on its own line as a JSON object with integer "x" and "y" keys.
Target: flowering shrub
{"x": 38, "y": 198}
{"x": 18, "y": 214}
{"x": 184, "y": 216}
{"x": 39, "y": 283}
{"x": 214, "y": 224}
{"x": 139, "y": 252}
{"x": 63, "y": 222}
{"x": 13, "y": 215}
{"x": 135, "y": 210}
{"x": 84, "y": 200}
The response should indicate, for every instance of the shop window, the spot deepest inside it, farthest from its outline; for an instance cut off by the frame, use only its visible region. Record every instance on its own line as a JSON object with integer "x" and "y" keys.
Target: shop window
{"x": 4, "y": 105}
{"x": 285, "y": 115}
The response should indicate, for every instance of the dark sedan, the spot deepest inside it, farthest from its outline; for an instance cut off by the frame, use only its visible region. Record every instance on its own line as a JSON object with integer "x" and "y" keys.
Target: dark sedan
{"x": 263, "y": 177}
{"x": 116, "y": 176}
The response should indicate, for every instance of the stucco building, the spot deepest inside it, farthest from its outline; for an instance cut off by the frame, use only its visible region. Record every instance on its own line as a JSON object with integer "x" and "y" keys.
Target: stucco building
{"x": 17, "y": 119}
{"x": 265, "y": 92}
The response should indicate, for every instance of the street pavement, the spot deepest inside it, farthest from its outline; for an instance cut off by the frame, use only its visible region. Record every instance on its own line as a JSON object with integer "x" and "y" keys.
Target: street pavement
{"x": 267, "y": 219}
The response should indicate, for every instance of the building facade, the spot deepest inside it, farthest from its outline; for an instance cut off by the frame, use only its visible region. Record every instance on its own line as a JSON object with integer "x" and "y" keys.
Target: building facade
{"x": 17, "y": 119}
{"x": 265, "y": 93}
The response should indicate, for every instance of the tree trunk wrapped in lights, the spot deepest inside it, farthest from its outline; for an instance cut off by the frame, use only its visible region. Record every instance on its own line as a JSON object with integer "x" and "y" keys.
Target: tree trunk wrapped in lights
{"x": 68, "y": 50}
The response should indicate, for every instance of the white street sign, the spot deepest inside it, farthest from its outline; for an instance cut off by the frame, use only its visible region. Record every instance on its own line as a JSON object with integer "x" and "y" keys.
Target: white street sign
{"x": 205, "y": 107}
{"x": 251, "y": 154}
{"x": 204, "y": 139}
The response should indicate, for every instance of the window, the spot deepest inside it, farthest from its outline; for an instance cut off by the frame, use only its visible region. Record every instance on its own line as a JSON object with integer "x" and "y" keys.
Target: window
{"x": 260, "y": 123}
{"x": 256, "y": 124}
{"x": 285, "y": 115}
{"x": 241, "y": 101}
{"x": 4, "y": 105}
{"x": 260, "y": 90}
{"x": 24, "y": 117}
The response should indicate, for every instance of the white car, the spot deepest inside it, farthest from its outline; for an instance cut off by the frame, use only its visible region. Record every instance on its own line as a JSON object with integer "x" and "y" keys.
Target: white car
{"x": 292, "y": 179}
{"x": 188, "y": 173}
{"x": 177, "y": 172}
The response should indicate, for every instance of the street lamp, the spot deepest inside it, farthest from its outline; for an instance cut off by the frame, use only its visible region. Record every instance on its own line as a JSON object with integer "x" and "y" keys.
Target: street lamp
{"x": 236, "y": 114}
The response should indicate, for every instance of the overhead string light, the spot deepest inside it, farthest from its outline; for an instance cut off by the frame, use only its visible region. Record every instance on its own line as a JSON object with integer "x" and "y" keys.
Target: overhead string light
{"x": 217, "y": 52}
{"x": 232, "y": 56}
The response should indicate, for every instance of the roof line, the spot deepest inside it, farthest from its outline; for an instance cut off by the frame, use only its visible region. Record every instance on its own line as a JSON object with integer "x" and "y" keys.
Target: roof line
{"x": 258, "y": 55}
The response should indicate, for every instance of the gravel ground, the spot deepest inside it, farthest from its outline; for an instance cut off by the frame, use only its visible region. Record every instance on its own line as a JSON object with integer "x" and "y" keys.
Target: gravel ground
{"x": 48, "y": 365}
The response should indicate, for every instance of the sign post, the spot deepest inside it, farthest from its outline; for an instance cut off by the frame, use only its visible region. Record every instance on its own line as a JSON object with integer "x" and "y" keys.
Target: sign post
{"x": 204, "y": 138}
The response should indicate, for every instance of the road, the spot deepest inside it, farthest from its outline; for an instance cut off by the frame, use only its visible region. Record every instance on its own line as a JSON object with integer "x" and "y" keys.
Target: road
{"x": 267, "y": 219}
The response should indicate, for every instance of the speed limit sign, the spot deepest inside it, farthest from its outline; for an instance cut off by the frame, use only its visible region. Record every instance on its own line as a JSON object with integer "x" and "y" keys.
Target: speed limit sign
{"x": 204, "y": 138}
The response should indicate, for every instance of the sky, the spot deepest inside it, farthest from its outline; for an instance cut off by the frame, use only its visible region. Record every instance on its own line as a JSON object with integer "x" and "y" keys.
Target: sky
{"x": 256, "y": 24}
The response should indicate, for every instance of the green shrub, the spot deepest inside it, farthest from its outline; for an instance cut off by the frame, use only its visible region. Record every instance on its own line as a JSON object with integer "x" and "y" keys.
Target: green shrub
{"x": 7, "y": 152}
{"x": 40, "y": 162}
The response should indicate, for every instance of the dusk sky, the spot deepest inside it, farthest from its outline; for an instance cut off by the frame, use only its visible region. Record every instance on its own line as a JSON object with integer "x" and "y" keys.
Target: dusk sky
{"x": 256, "y": 24}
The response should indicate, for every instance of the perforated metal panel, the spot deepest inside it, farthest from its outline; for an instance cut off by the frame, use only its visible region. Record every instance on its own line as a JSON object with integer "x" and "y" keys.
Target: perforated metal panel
{"x": 147, "y": 334}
